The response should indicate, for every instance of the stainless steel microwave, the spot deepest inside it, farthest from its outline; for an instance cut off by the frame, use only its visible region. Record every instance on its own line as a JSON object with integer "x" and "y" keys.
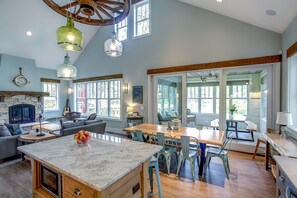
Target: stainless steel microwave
{"x": 51, "y": 181}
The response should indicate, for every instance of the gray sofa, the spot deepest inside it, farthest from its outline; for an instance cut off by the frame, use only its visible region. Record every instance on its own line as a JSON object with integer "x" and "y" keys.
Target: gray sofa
{"x": 8, "y": 146}
{"x": 95, "y": 126}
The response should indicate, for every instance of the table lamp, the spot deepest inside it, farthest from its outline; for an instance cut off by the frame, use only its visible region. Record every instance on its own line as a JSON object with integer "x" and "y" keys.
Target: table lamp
{"x": 40, "y": 131}
{"x": 130, "y": 110}
{"x": 284, "y": 119}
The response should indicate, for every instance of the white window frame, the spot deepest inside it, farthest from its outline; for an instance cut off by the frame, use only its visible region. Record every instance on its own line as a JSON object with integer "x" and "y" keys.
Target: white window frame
{"x": 135, "y": 22}
{"x": 199, "y": 99}
{"x": 56, "y": 97}
{"x": 238, "y": 98}
{"x": 97, "y": 99}
{"x": 116, "y": 28}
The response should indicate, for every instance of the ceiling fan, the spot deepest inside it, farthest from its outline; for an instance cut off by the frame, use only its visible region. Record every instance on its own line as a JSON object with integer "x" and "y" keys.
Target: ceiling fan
{"x": 92, "y": 12}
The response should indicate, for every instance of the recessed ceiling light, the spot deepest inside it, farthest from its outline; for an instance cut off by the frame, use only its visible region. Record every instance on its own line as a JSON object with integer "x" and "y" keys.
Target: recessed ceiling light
{"x": 271, "y": 12}
{"x": 220, "y": 1}
{"x": 29, "y": 33}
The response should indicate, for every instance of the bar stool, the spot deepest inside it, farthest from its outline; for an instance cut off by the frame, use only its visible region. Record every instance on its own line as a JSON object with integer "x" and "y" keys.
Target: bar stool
{"x": 138, "y": 136}
{"x": 154, "y": 164}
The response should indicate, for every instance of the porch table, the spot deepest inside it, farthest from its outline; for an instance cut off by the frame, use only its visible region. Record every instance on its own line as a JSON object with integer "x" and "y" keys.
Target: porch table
{"x": 204, "y": 136}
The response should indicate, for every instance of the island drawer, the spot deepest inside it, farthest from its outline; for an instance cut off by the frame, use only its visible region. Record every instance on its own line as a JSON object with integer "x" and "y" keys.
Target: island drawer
{"x": 76, "y": 189}
{"x": 130, "y": 189}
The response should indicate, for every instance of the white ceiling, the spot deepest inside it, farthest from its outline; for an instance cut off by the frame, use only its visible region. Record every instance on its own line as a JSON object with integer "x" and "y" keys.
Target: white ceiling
{"x": 253, "y": 11}
{"x": 19, "y": 16}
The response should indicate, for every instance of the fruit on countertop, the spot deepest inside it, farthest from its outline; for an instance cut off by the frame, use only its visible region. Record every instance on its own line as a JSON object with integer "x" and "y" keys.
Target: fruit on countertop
{"x": 82, "y": 137}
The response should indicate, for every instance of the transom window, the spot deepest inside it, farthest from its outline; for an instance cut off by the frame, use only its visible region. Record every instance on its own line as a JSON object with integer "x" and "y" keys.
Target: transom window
{"x": 142, "y": 19}
{"x": 51, "y": 102}
{"x": 122, "y": 29}
{"x": 102, "y": 97}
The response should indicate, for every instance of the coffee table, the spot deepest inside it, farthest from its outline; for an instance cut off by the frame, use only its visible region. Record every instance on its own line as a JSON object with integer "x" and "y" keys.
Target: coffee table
{"x": 32, "y": 138}
{"x": 50, "y": 127}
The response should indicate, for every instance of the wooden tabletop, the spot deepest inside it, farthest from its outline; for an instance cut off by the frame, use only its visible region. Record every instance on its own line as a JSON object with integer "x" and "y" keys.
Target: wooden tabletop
{"x": 48, "y": 127}
{"x": 32, "y": 137}
{"x": 215, "y": 137}
{"x": 285, "y": 147}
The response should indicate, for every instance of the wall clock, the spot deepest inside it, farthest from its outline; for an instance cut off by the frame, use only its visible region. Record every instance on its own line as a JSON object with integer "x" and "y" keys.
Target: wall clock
{"x": 20, "y": 80}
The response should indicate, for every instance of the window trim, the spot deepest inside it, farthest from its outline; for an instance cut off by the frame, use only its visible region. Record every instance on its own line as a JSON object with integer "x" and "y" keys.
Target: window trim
{"x": 57, "y": 97}
{"x": 135, "y": 22}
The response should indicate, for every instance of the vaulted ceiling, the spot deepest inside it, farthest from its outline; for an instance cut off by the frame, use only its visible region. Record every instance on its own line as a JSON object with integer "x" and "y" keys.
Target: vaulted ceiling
{"x": 19, "y": 16}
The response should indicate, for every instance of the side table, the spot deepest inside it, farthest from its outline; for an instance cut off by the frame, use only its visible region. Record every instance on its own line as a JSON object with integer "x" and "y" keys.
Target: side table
{"x": 138, "y": 119}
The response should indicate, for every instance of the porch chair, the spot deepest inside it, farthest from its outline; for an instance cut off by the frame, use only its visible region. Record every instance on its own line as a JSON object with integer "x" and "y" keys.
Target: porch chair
{"x": 189, "y": 151}
{"x": 259, "y": 141}
{"x": 222, "y": 153}
{"x": 92, "y": 116}
{"x": 138, "y": 136}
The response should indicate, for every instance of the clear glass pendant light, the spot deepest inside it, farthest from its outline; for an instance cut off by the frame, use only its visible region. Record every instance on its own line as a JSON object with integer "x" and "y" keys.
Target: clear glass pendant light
{"x": 66, "y": 71}
{"x": 113, "y": 47}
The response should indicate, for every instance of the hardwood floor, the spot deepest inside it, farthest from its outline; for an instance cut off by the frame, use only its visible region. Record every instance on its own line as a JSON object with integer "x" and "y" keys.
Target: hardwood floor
{"x": 248, "y": 179}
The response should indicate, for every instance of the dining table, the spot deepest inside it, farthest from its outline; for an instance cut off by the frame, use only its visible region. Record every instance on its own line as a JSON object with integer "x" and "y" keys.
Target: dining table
{"x": 204, "y": 136}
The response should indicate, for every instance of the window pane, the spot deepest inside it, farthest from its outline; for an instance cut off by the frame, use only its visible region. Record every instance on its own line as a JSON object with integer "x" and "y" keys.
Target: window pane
{"x": 206, "y": 106}
{"x": 103, "y": 107}
{"x": 81, "y": 105}
{"x": 115, "y": 107}
{"x": 241, "y": 105}
{"x": 91, "y": 106}
{"x": 193, "y": 105}
{"x": 50, "y": 103}
{"x": 91, "y": 90}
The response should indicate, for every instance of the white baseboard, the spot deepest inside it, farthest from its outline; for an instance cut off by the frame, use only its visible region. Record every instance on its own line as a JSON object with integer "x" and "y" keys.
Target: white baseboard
{"x": 115, "y": 130}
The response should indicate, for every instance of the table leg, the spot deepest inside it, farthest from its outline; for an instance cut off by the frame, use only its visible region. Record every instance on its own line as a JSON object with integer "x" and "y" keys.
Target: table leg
{"x": 202, "y": 158}
{"x": 267, "y": 155}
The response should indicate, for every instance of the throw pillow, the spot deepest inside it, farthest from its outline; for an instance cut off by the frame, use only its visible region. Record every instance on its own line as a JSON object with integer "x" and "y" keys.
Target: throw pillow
{"x": 14, "y": 129}
{"x": 4, "y": 131}
{"x": 18, "y": 132}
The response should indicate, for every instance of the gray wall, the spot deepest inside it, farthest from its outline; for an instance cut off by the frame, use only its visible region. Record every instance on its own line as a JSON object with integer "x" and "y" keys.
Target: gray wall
{"x": 289, "y": 37}
{"x": 9, "y": 68}
{"x": 181, "y": 34}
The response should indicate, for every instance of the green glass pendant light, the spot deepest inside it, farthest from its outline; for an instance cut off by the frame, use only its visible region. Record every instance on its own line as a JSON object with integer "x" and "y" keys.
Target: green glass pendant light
{"x": 69, "y": 38}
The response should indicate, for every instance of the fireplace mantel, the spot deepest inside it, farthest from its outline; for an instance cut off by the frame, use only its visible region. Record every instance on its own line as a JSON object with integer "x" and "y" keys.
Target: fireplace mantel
{"x": 37, "y": 94}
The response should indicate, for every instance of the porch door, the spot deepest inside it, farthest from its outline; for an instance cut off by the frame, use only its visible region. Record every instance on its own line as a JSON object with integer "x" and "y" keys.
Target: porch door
{"x": 169, "y": 98}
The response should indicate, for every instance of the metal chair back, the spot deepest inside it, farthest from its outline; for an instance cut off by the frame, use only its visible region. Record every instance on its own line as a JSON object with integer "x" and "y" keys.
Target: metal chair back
{"x": 186, "y": 143}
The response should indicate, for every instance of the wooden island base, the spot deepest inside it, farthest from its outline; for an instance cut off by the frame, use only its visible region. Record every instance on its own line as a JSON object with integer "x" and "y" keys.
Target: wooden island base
{"x": 132, "y": 185}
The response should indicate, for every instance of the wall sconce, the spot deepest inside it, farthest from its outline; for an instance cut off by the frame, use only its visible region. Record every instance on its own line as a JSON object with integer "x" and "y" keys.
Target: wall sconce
{"x": 70, "y": 90}
{"x": 125, "y": 88}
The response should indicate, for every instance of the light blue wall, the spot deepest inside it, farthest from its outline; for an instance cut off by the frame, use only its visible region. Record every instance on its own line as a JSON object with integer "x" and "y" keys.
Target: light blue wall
{"x": 9, "y": 68}
{"x": 289, "y": 37}
{"x": 181, "y": 34}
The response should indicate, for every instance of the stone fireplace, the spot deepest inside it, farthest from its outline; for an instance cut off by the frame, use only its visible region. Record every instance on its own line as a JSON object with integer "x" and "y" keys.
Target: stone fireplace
{"x": 10, "y": 99}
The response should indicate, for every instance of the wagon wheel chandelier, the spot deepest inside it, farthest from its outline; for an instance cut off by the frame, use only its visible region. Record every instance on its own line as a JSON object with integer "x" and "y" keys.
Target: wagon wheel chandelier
{"x": 92, "y": 12}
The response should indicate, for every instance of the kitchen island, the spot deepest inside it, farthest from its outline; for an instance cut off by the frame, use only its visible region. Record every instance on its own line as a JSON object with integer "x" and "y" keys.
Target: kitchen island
{"x": 105, "y": 167}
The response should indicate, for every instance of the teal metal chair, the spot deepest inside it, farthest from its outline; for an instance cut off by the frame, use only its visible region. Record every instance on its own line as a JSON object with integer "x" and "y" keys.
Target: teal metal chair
{"x": 221, "y": 153}
{"x": 138, "y": 136}
{"x": 167, "y": 151}
{"x": 189, "y": 151}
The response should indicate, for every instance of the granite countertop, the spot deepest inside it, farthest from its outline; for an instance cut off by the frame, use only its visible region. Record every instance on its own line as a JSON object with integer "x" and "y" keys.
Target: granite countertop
{"x": 288, "y": 165}
{"x": 98, "y": 164}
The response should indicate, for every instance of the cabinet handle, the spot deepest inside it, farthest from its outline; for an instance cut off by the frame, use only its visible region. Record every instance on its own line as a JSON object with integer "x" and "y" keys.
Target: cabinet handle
{"x": 77, "y": 191}
{"x": 282, "y": 179}
{"x": 288, "y": 192}
{"x": 281, "y": 196}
